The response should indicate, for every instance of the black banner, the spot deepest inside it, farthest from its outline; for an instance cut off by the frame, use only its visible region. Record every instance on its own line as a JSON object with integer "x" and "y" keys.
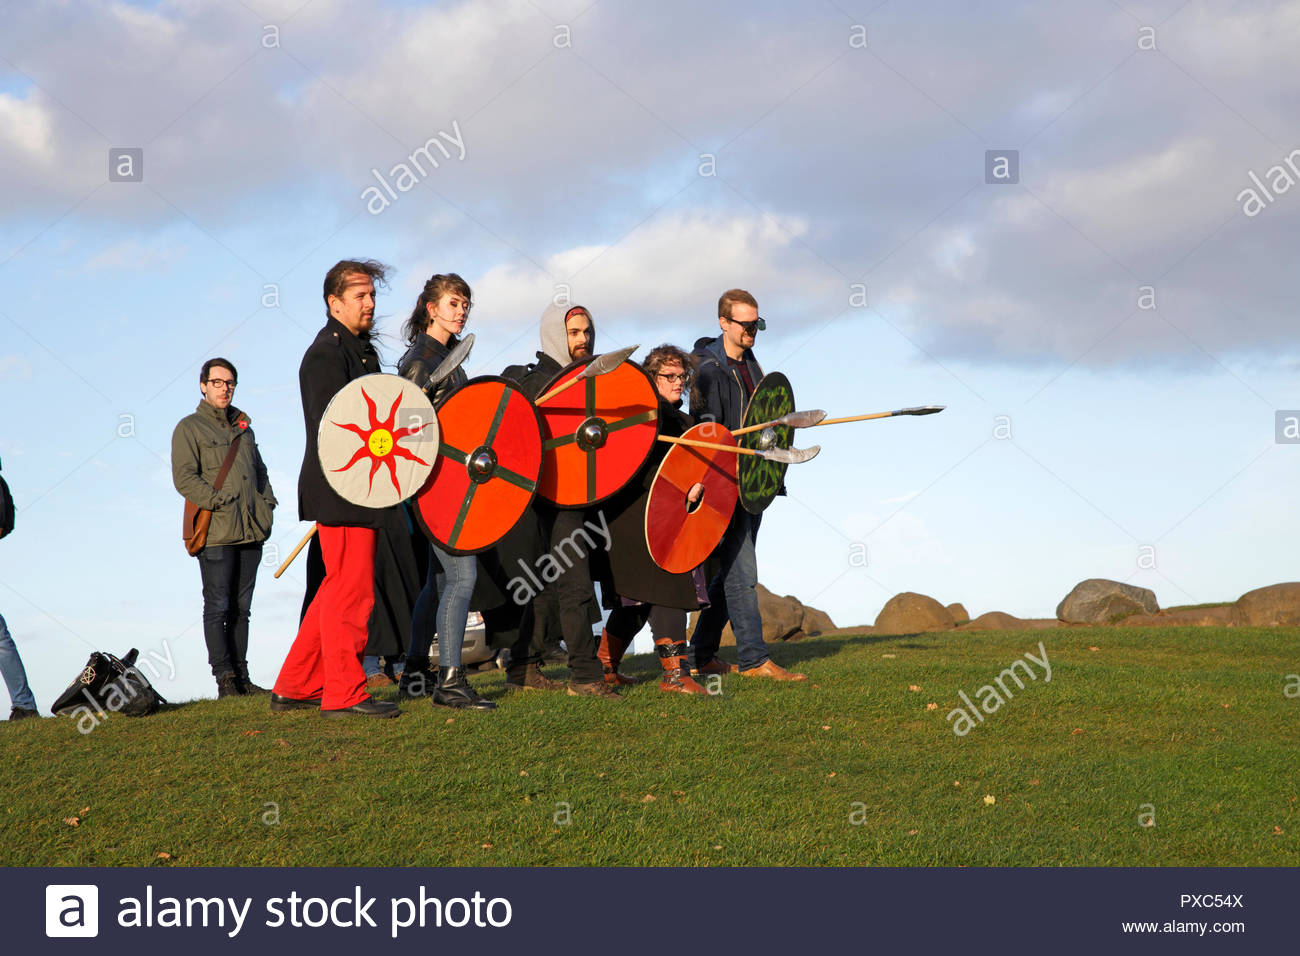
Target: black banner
{"x": 629, "y": 911}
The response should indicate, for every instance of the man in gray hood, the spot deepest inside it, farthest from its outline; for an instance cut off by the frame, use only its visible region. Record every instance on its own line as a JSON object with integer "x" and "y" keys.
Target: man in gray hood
{"x": 568, "y": 335}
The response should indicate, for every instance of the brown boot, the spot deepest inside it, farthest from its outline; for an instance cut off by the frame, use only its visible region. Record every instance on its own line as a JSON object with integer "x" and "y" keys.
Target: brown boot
{"x": 672, "y": 657}
{"x": 611, "y": 653}
{"x": 530, "y": 678}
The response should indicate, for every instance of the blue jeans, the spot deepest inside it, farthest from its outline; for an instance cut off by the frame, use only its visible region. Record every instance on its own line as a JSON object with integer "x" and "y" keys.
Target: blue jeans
{"x": 732, "y": 594}
{"x": 229, "y": 572}
{"x": 449, "y": 585}
{"x": 11, "y": 668}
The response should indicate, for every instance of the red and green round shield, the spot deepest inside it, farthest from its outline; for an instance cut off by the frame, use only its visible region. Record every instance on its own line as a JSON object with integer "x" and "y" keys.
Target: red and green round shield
{"x": 596, "y": 434}
{"x": 487, "y": 468}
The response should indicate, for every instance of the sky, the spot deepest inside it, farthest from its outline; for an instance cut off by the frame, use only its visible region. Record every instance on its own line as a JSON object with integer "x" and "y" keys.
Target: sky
{"x": 1111, "y": 332}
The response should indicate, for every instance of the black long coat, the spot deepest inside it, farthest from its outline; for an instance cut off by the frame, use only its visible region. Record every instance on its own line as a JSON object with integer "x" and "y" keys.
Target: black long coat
{"x": 333, "y": 359}
{"x": 635, "y": 575}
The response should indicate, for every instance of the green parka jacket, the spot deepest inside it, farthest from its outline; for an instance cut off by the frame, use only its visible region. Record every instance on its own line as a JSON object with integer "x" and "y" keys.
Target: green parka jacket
{"x": 241, "y": 510}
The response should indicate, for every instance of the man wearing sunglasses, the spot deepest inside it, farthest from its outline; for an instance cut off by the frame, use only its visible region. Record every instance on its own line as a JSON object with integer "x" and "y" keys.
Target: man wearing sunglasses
{"x": 241, "y": 519}
{"x": 727, "y": 375}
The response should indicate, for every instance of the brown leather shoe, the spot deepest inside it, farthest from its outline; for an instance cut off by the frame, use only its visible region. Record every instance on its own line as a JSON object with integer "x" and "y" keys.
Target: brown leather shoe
{"x": 595, "y": 689}
{"x": 716, "y": 666}
{"x": 769, "y": 668}
{"x": 533, "y": 679}
{"x": 379, "y": 680}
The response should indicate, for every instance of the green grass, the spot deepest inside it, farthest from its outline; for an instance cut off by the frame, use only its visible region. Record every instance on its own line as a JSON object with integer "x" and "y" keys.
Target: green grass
{"x": 849, "y": 769}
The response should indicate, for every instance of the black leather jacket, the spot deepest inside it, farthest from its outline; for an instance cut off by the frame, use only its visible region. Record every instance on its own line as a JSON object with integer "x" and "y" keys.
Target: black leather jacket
{"x": 334, "y": 358}
{"x": 420, "y": 361}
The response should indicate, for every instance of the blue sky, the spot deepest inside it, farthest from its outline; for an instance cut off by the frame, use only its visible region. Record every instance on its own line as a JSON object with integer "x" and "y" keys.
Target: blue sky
{"x": 650, "y": 158}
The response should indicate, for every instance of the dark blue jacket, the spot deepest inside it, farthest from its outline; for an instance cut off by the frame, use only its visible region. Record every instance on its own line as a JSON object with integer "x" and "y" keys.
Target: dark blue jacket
{"x": 718, "y": 395}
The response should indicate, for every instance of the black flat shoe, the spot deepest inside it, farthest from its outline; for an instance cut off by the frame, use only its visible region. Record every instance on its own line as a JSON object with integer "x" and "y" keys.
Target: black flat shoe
{"x": 367, "y": 708}
{"x": 293, "y": 703}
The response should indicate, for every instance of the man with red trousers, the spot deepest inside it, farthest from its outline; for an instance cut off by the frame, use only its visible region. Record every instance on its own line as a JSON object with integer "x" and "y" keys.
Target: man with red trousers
{"x": 323, "y": 669}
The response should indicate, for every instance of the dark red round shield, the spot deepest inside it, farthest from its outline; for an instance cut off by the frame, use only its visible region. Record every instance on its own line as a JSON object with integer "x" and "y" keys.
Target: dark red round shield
{"x": 488, "y": 463}
{"x": 596, "y": 434}
{"x": 679, "y": 537}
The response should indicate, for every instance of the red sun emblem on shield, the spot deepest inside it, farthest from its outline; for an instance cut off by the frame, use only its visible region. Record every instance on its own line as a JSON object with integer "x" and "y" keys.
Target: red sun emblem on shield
{"x": 379, "y": 441}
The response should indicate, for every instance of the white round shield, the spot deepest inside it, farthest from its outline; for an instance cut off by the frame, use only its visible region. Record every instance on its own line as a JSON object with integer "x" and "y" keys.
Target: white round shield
{"x": 378, "y": 440}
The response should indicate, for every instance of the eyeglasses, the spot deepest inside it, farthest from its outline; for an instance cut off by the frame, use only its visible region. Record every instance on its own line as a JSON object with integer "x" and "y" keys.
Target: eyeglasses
{"x": 225, "y": 383}
{"x": 681, "y": 377}
{"x": 758, "y": 325}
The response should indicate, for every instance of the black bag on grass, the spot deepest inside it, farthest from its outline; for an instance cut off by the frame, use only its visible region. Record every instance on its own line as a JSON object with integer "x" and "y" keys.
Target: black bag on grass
{"x": 108, "y": 684}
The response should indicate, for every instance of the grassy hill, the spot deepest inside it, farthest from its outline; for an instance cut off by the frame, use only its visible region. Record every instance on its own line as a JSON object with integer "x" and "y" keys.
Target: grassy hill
{"x": 1193, "y": 725}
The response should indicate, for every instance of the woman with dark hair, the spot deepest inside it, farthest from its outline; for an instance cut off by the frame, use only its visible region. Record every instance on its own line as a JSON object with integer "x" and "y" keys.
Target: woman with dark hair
{"x": 432, "y": 331}
{"x": 646, "y": 592}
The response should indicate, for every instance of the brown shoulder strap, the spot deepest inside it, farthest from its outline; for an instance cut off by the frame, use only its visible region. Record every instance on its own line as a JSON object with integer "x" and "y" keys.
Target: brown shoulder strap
{"x": 225, "y": 465}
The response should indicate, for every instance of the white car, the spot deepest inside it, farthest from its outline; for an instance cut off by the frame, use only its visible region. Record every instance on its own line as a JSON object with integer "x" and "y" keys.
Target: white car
{"x": 476, "y": 651}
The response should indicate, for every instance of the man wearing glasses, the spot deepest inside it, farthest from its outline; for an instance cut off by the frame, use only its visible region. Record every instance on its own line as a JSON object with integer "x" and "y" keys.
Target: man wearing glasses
{"x": 727, "y": 375}
{"x": 241, "y": 519}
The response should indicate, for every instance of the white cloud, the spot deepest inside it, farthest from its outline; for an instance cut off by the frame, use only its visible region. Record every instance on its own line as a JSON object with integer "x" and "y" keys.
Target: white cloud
{"x": 670, "y": 266}
{"x": 25, "y": 127}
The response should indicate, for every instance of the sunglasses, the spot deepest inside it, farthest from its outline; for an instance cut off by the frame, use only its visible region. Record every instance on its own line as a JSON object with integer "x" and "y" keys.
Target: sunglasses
{"x": 758, "y": 325}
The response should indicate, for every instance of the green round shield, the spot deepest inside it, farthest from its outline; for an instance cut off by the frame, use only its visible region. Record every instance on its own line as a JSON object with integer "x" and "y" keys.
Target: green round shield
{"x": 761, "y": 479}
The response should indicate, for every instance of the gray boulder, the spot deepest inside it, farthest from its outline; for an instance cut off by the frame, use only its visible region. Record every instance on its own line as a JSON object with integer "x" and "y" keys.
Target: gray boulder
{"x": 912, "y": 613}
{"x": 1099, "y": 601}
{"x": 996, "y": 621}
{"x": 1266, "y": 607}
{"x": 816, "y": 622}
{"x": 785, "y": 618}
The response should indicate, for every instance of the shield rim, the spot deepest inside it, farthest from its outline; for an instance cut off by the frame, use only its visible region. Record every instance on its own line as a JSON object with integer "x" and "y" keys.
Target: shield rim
{"x": 324, "y": 420}
{"x": 654, "y": 413}
{"x": 735, "y": 480}
{"x": 541, "y": 461}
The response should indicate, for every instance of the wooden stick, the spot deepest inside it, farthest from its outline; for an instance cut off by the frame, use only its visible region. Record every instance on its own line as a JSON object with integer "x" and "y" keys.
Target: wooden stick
{"x": 600, "y": 365}
{"x": 918, "y": 410}
{"x": 793, "y": 419}
{"x": 561, "y": 388}
{"x": 692, "y": 443}
{"x": 301, "y": 544}
{"x": 855, "y": 418}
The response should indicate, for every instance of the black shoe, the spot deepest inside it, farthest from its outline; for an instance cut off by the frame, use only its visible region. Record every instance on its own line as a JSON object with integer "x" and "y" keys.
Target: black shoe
{"x": 367, "y": 708}
{"x": 293, "y": 703}
{"x": 417, "y": 679}
{"x": 22, "y": 713}
{"x": 454, "y": 690}
{"x": 249, "y": 687}
{"x": 228, "y": 686}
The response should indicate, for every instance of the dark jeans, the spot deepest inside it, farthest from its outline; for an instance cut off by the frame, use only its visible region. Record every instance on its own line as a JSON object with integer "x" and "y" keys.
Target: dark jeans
{"x": 573, "y": 592}
{"x": 732, "y": 595}
{"x": 229, "y": 572}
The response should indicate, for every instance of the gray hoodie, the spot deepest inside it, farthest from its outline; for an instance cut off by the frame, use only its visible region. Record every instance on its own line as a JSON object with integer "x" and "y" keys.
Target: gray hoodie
{"x": 555, "y": 337}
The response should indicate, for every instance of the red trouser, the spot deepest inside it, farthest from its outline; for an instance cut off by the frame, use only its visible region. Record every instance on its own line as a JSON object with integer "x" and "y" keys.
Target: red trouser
{"x": 325, "y": 659}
